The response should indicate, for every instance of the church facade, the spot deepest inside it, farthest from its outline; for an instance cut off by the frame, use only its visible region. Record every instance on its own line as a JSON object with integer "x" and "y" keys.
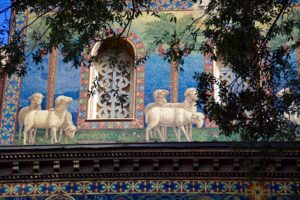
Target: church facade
{"x": 117, "y": 110}
{"x": 106, "y": 121}
{"x": 96, "y": 164}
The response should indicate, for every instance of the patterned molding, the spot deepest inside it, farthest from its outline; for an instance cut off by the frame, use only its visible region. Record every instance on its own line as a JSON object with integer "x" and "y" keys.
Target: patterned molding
{"x": 139, "y": 75}
{"x": 11, "y": 93}
{"x": 239, "y": 188}
{"x": 206, "y": 161}
{"x": 213, "y": 170}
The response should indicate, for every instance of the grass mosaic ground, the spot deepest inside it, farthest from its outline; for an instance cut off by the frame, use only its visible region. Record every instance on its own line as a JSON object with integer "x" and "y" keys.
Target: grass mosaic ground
{"x": 131, "y": 135}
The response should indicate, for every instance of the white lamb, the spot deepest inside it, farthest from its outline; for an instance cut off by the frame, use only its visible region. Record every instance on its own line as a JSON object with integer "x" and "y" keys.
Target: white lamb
{"x": 69, "y": 133}
{"x": 35, "y": 104}
{"x": 160, "y": 99}
{"x": 52, "y": 119}
{"x": 67, "y": 127}
{"x": 173, "y": 117}
{"x": 189, "y": 104}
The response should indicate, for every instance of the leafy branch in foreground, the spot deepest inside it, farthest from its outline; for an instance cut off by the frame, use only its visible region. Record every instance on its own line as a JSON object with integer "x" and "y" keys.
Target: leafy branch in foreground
{"x": 174, "y": 39}
{"x": 69, "y": 25}
{"x": 240, "y": 33}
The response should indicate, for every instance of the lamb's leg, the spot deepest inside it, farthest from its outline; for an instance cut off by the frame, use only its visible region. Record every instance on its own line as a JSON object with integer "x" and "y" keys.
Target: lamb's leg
{"x": 152, "y": 122}
{"x": 190, "y": 131}
{"x": 148, "y": 134}
{"x": 26, "y": 129}
{"x": 151, "y": 133}
{"x": 155, "y": 131}
{"x": 160, "y": 133}
{"x": 177, "y": 133}
{"x": 33, "y": 135}
{"x": 148, "y": 129}
{"x": 20, "y": 129}
{"x": 185, "y": 133}
{"x": 53, "y": 135}
{"x": 60, "y": 135}
{"x": 30, "y": 139}
{"x": 35, "y": 131}
{"x": 165, "y": 130}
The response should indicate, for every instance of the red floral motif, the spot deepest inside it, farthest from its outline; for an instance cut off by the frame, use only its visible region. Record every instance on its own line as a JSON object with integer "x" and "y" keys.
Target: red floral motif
{"x": 43, "y": 52}
{"x": 161, "y": 51}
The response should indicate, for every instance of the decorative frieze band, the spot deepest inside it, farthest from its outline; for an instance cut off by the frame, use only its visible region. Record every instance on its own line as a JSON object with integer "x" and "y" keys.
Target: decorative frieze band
{"x": 149, "y": 161}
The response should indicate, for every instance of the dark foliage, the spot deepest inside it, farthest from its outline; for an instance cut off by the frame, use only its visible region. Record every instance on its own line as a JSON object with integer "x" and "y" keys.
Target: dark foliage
{"x": 239, "y": 33}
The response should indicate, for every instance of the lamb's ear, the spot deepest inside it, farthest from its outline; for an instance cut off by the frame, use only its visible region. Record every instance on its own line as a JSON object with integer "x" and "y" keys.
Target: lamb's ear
{"x": 166, "y": 92}
{"x": 58, "y": 100}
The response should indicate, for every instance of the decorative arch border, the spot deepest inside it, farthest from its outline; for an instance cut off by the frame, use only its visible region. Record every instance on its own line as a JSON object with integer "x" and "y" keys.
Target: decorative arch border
{"x": 11, "y": 90}
{"x": 139, "y": 75}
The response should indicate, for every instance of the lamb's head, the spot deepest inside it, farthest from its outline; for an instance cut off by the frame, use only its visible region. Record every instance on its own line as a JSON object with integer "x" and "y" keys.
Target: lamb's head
{"x": 160, "y": 96}
{"x": 70, "y": 131}
{"x": 198, "y": 119}
{"x": 63, "y": 100}
{"x": 191, "y": 94}
{"x": 283, "y": 91}
{"x": 36, "y": 99}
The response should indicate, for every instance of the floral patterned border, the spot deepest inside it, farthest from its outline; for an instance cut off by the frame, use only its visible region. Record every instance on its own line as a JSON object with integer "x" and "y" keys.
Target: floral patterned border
{"x": 11, "y": 93}
{"x": 138, "y": 120}
{"x": 253, "y": 190}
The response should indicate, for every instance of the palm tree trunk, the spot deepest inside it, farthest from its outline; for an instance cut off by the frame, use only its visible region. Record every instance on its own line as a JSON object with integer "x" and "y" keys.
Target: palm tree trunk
{"x": 52, "y": 68}
{"x": 174, "y": 78}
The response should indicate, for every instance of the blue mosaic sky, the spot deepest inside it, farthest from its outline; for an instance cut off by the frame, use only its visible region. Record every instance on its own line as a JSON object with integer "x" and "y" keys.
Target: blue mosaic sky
{"x": 4, "y": 16}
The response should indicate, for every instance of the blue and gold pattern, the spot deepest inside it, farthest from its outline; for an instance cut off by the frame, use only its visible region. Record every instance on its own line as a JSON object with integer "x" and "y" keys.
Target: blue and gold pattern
{"x": 11, "y": 95}
{"x": 154, "y": 189}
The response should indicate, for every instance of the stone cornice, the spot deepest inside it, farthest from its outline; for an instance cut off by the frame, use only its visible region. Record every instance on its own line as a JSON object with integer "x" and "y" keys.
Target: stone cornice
{"x": 209, "y": 160}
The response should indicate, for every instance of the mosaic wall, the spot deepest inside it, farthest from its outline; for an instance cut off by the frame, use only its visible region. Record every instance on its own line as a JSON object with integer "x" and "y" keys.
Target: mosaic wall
{"x": 156, "y": 189}
{"x": 152, "y": 75}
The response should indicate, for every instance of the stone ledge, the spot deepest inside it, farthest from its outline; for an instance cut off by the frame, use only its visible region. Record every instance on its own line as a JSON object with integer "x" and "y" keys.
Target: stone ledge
{"x": 209, "y": 160}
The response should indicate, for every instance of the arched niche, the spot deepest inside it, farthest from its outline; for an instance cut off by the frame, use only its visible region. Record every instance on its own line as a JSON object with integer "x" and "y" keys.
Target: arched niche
{"x": 130, "y": 47}
{"x": 113, "y": 72}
